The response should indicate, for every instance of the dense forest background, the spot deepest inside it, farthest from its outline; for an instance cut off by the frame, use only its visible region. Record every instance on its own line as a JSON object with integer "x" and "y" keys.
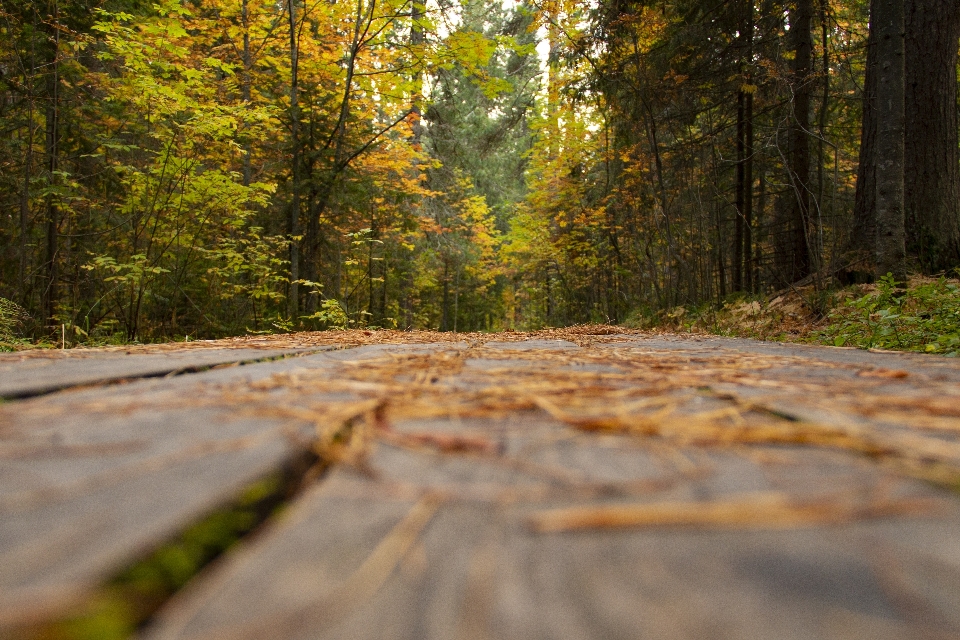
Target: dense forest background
{"x": 216, "y": 167}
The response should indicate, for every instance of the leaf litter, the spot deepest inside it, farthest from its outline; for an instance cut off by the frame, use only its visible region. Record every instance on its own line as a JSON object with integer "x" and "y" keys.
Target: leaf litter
{"x": 678, "y": 401}
{"x": 653, "y": 396}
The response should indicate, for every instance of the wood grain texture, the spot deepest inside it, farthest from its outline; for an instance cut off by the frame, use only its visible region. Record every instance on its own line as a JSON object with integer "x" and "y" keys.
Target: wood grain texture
{"x": 478, "y": 570}
{"x": 92, "y": 479}
{"x": 35, "y": 375}
{"x": 707, "y": 488}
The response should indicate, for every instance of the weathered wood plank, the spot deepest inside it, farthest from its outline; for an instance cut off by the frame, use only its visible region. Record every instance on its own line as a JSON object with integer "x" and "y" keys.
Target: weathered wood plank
{"x": 91, "y": 479}
{"x": 478, "y": 569}
{"x": 32, "y": 375}
{"x": 530, "y": 345}
{"x": 353, "y": 559}
{"x": 936, "y": 366}
{"x": 472, "y": 448}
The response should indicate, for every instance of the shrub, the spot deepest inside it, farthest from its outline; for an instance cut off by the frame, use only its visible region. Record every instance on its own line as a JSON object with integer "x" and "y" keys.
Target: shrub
{"x": 12, "y": 317}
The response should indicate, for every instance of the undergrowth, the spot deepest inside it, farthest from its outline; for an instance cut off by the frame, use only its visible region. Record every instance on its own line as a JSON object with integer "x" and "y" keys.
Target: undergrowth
{"x": 923, "y": 316}
{"x": 12, "y": 317}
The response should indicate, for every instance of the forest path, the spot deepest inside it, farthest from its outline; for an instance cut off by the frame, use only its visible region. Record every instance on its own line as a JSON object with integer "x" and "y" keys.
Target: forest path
{"x": 570, "y": 484}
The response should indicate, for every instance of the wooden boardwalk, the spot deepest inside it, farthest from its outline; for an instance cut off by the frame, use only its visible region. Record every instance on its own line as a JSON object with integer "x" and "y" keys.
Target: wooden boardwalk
{"x": 599, "y": 486}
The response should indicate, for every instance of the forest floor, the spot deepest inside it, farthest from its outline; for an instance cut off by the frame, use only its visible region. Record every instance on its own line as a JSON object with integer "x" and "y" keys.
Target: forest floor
{"x": 924, "y": 316}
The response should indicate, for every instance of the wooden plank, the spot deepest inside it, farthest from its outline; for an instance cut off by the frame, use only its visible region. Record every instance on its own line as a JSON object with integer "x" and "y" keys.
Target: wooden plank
{"x": 30, "y": 374}
{"x": 441, "y": 531}
{"x": 92, "y": 479}
{"x": 439, "y": 546}
{"x": 942, "y": 367}
{"x": 530, "y": 345}
{"x": 478, "y": 569}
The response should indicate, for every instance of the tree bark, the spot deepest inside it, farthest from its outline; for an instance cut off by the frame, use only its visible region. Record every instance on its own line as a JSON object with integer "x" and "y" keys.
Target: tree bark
{"x": 859, "y": 258}
{"x": 748, "y": 187}
{"x": 742, "y": 272}
{"x": 932, "y": 163}
{"x": 417, "y": 38}
{"x": 760, "y": 221}
{"x": 890, "y": 248}
{"x": 293, "y": 223}
{"x": 738, "y": 232}
{"x": 25, "y": 209}
{"x": 858, "y": 264}
{"x": 824, "y": 99}
{"x": 245, "y": 87}
{"x": 50, "y": 293}
{"x": 795, "y": 260}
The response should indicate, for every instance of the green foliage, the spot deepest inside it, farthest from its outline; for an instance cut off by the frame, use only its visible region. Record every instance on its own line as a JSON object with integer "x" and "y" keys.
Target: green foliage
{"x": 448, "y": 175}
{"x": 12, "y": 317}
{"x": 923, "y": 317}
{"x": 330, "y": 316}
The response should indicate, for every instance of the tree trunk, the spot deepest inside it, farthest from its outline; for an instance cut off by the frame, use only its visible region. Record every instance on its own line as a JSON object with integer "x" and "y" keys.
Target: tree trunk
{"x": 445, "y": 308}
{"x": 741, "y": 189}
{"x": 417, "y": 38}
{"x": 721, "y": 268}
{"x": 890, "y": 249}
{"x": 25, "y": 211}
{"x": 796, "y": 261}
{"x": 245, "y": 87}
{"x": 931, "y": 163}
{"x": 748, "y": 188}
{"x": 858, "y": 262}
{"x": 671, "y": 264}
{"x": 742, "y": 273}
{"x": 824, "y": 100}
{"x": 293, "y": 223}
{"x": 50, "y": 294}
{"x": 760, "y": 221}
{"x": 312, "y": 266}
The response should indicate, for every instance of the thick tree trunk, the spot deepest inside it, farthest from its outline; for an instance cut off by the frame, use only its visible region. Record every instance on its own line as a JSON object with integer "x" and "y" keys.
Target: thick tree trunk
{"x": 932, "y": 165}
{"x": 858, "y": 263}
{"x": 890, "y": 249}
